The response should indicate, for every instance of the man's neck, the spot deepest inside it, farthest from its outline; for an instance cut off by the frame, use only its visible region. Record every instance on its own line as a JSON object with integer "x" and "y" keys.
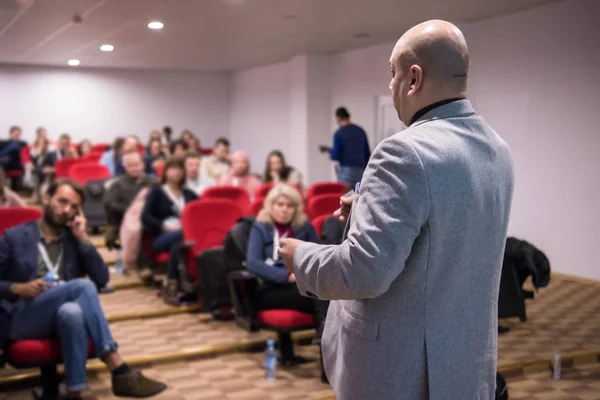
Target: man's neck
{"x": 48, "y": 231}
{"x": 345, "y": 123}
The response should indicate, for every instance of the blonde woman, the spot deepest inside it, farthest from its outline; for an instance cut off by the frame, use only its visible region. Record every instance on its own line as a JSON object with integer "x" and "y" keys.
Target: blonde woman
{"x": 282, "y": 216}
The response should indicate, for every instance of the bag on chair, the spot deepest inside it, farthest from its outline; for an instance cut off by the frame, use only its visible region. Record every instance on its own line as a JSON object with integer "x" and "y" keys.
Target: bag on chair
{"x": 235, "y": 245}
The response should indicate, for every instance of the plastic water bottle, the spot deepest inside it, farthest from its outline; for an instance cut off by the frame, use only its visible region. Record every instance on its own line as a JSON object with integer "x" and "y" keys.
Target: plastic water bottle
{"x": 51, "y": 279}
{"x": 556, "y": 367}
{"x": 119, "y": 263}
{"x": 270, "y": 361}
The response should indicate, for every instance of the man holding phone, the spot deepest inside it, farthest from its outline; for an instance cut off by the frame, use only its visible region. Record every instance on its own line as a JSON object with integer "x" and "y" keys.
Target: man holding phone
{"x": 43, "y": 293}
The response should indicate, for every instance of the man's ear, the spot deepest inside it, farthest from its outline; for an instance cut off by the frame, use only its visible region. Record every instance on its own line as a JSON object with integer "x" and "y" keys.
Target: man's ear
{"x": 416, "y": 79}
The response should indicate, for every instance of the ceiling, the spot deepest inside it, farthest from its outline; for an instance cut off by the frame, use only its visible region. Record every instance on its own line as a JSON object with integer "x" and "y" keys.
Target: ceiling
{"x": 215, "y": 34}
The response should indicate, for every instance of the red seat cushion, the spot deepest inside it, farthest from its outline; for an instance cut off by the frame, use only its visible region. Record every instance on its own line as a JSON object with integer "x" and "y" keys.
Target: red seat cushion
{"x": 162, "y": 258}
{"x": 285, "y": 318}
{"x": 35, "y": 352}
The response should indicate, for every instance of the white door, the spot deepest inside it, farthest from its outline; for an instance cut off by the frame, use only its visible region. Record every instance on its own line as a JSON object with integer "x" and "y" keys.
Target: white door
{"x": 388, "y": 122}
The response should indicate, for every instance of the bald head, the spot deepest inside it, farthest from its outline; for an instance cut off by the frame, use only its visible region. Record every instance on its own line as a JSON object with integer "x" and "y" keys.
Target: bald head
{"x": 433, "y": 60}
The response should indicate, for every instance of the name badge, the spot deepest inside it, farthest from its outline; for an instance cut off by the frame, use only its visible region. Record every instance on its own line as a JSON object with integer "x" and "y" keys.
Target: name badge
{"x": 270, "y": 262}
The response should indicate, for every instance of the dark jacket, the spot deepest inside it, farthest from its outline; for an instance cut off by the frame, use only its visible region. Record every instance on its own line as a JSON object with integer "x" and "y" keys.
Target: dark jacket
{"x": 120, "y": 194}
{"x": 19, "y": 260}
{"x": 159, "y": 207}
{"x": 10, "y": 154}
{"x": 260, "y": 248}
{"x": 527, "y": 261}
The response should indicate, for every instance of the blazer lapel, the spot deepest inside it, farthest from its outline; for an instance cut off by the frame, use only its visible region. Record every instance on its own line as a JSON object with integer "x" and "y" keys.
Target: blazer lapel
{"x": 68, "y": 257}
{"x": 30, "y": 256}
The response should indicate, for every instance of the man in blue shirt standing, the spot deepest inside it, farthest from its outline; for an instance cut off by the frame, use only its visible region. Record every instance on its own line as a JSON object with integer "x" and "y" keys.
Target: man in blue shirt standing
{"x": 350, "y": 149}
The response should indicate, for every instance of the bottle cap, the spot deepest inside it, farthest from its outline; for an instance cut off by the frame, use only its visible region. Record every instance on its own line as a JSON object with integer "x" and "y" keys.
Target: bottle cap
{"x": 270, "y": 342}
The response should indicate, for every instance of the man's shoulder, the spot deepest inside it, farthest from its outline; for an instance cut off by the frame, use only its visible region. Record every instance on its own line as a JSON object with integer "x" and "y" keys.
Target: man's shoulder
{"x": 22, "y": 229}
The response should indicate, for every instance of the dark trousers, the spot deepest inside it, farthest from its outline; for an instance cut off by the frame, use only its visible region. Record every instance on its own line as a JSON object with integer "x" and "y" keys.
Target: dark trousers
{"x": 287, "y": 297}
{"x": 170, "y": 241}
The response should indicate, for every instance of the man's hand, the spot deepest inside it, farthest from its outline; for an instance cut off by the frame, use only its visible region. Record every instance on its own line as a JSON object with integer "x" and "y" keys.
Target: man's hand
{"x": 79, "y": 227}
{"x": 345, "y": 206}
{"x": 292, "y": 278}
{"x": 324, "y": 149}
{"x": 30, "y": 289}
{"x": 287, "y": 248}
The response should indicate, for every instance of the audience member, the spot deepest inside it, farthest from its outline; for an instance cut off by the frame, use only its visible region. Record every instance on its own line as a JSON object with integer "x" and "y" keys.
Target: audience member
{"x": 186, "y": 135}
{"x": 131, "y": 144}
{"x": 282, "y": 216}
{"x": 32, "y": 309}
{"x": 154, "y": 155}
{"x": 38, "y": 153}
{"x": 8, "y": 198}
{"x": 41, "y": 132}
{"x": 195, "y": 182}
{"x": 63, "y": 151}
{"x": 161, "y": 216}
{"x": 122, "y": 191}
{"x": 194, "y": 144}
{"x": 111, "y": 158}
{"x": 240, "y": 174}
{"x": 217, "y": 164}
{"x": 155, "y": 135}
{"x": 178, "y": 148}
{"x": 85, "y": 147}
{"x": 10, "y": 155}
{"x": 277, "y": 170}
{"x": 350, "y": 149}
{"x": 167, "y": 133}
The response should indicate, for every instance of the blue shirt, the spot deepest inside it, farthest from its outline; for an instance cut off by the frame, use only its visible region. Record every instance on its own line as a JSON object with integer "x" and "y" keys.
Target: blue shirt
{"x": 351, "y": 146}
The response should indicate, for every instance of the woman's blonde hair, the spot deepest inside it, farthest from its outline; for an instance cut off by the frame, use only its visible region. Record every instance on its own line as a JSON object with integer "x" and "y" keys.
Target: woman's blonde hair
{"x": 290, "y": 193}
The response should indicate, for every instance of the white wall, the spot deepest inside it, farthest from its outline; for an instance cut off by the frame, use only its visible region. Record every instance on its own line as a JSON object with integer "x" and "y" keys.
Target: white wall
{"x": 260, "y": 112}
{"x": 534, "y": 77}
{"x": 102, "y": 104}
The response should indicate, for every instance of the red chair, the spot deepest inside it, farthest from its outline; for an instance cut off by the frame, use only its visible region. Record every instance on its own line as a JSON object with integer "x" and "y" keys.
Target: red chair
{"x": 263, "y": 190}
{"x": 324, "y": 204}
{"x": 83, "y": 172}
{"x": 13, "y": 216}
{"x": 236, "y": 194}
{"x": 206, "y": 152}
{"x": 320, "y": 188}
{"x": 205, "y": 224}
{"x": 26, "y": 155}
{"x": 256, "y": 206}
{"x": 317, "y": 223}
{"x": 100, "y": 147}
{"x": 94, "y": 156}
{"x": 159, "y": 168}
{"x": 62, "y": 167}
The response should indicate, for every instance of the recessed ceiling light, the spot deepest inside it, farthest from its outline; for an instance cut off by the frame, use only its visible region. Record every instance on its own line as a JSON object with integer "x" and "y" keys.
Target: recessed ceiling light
{"x": 156, "y": 25}
{"x": 107, "y": 47}
{"x": 73, "y": 63}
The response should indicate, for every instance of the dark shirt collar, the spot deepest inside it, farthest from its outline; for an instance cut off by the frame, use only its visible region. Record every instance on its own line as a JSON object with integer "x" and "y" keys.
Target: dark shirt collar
{"x": 430, "y": 107}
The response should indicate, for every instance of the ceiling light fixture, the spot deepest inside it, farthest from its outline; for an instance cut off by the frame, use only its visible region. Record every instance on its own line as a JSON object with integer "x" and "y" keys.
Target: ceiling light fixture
{"x": 156, "y": 25}
{"x": 107, "y": 47}
{"x": 73, "y": 63}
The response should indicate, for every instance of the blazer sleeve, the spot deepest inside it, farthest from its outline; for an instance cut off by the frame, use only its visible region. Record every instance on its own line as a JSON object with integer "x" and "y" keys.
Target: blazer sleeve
{"x": 5, "y": 263}
{"x": 149, "y": 220}
{"x": 387, "y": 217}
{"x": 255, "y": 261}
{"x": 93, "y": 264}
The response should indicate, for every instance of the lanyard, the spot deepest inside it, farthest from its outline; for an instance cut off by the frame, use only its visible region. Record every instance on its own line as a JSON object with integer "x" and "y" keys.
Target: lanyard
{"x": 276, "y": 239}
{"x": 46, "y": 259}
{"x": 179, "y": 204}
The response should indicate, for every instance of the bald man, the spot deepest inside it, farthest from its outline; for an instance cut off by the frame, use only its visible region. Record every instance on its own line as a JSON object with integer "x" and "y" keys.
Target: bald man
{"x": 415, "y": 284}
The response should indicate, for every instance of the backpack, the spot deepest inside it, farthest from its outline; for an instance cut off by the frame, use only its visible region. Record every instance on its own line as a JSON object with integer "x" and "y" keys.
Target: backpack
{"x": 235, "y": 244}
{"x": 501, "y": 389}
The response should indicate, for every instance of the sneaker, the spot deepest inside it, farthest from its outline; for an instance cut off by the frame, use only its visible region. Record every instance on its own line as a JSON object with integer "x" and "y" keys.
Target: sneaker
{"x": 169, "y": 292}
{"x": 135, "y": 384}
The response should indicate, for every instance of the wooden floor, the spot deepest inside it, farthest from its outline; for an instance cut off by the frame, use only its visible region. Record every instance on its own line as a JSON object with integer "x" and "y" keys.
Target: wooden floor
{"x": 563, "y": 318}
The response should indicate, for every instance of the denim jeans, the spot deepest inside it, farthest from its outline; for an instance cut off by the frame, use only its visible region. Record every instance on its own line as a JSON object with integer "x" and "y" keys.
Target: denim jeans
{"x": 170, "y": 241}
{"x": 349, "y": 175}
{"x": 70, "y": 311}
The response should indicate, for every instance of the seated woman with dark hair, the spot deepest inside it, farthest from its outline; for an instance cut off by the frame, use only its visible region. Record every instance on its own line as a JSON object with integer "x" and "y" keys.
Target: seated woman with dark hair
{"x": 154, "y": 155}
{"x": 281, "y": 217}
{"x": 162, "y": 218}
{"x": 178, "y": 148}
{"x": 84, "y": 147}
{"x": 277, "y": 170}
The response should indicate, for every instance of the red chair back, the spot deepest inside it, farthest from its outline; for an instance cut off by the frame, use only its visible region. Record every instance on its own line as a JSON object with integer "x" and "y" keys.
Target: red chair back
{"x": 235, "y": 194}
{"x": 320, "y": 188}
{"x": 94, "y": 157}
{"x": 206, "y": 222}
{"x": 324, "y": 204}
{"x": 62, "y": 166}
{"x": 100, "y": 147}
{"x": 206, "y": 152}
{"x": 159, "y": 168}
{"x": 263, "y": 190}
{"x": 317, "y": 223}
{"x": 13, "y": 216}
{"x": 256, "y": 206}
{"x": 84, "y": 172}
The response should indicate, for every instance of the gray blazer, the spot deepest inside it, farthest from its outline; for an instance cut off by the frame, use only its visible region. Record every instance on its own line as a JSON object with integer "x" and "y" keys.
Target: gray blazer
{"x": 415, "y": 285}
